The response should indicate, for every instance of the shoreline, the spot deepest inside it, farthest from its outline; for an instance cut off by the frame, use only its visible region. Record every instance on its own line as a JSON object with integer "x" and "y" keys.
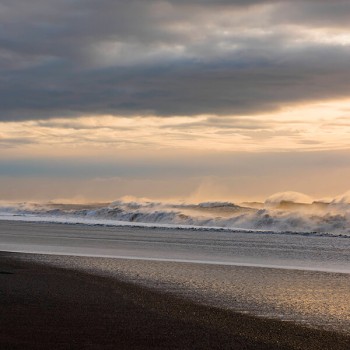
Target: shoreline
{"x": 204, "y": 246}
{"x": 49, "y": 306}
{"x": 185, "y": 261}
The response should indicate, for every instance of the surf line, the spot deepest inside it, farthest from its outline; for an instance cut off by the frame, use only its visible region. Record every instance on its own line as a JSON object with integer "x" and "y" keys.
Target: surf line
{"x": 189, "y": 261}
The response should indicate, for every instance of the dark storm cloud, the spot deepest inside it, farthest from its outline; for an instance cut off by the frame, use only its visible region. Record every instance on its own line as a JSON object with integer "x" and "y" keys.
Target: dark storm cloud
{"x": 315, "y": 13}
{"x": 71, "y": 58}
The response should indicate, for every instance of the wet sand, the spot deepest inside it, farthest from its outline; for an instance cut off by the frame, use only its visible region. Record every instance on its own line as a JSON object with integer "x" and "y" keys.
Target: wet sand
{"x": 46, "y": 307}
{"x": 313, "y": 298}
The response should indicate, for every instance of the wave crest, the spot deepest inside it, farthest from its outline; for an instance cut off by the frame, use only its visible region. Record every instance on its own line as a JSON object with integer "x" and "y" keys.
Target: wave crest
{"x": 284, "y": 216}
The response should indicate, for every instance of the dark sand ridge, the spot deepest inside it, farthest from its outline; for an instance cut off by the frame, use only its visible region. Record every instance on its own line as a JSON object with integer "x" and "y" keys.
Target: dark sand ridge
{"x": 43, "y": 307}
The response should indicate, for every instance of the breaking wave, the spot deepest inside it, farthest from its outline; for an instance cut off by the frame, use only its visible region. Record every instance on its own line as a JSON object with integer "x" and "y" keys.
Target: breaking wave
{"x": 279, "y": 213}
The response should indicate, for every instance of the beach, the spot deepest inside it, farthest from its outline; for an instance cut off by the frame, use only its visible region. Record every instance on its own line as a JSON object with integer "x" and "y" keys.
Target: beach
{"x": 65, "y": 301}
{"x": 174, "y": 174}
{"x": 46, "y": 307}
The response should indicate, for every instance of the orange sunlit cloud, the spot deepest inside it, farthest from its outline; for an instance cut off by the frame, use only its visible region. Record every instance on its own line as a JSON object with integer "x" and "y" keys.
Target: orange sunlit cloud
{"x": 316, "y": 126}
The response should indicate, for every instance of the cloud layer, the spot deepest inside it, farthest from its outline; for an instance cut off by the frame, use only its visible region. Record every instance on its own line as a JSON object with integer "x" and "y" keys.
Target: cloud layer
{"x": 167, "y": 58}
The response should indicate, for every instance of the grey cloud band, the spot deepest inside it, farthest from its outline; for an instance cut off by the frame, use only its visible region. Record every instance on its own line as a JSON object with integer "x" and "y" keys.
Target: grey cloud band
{"x": 65, "y": 58}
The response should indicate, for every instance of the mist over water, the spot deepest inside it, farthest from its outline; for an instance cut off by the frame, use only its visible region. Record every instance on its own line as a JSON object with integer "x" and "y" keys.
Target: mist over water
{"x": 287, "y": 212}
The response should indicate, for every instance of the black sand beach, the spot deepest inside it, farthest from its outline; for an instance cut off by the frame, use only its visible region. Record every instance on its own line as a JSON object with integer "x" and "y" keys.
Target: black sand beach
{"x": 51, "y": 308}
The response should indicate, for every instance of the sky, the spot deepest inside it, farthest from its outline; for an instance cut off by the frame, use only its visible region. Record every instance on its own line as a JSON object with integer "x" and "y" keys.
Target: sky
{"x": 180, "y": 100}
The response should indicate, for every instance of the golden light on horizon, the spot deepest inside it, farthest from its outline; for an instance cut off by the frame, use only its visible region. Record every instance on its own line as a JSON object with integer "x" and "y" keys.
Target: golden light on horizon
{"x": 312, "y": 126}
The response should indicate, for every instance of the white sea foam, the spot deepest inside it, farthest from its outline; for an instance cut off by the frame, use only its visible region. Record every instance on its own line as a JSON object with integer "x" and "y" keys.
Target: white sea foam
{"x": 280, "y": 213}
